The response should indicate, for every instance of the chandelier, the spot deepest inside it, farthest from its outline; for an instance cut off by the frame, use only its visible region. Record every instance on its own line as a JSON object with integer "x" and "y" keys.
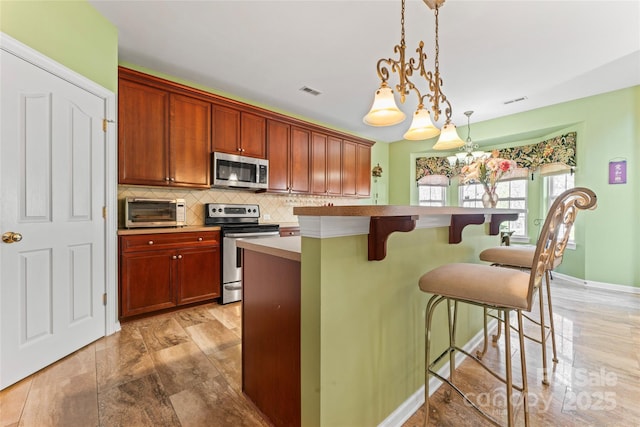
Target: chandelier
{"x": 469, "y": 151}
{"x": 385, "y": 112}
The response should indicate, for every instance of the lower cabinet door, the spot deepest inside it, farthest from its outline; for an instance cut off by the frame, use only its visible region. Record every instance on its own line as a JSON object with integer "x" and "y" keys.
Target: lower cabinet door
{"x": 146, "y": 282}
{"x": 198, "y": 274}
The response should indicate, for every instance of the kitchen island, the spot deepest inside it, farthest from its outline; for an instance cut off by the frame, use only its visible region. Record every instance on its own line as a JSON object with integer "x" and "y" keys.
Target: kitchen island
{"x": 361, "y": 313}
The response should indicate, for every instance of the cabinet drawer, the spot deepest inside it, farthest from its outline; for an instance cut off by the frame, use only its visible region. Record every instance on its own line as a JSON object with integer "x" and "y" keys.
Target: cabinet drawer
{"x": 289, "y": 231}
{"x": 145, "y": 242}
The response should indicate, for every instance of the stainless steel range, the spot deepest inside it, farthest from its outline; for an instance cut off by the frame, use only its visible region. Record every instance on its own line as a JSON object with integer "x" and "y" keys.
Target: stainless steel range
{"x": 236, "y": 222}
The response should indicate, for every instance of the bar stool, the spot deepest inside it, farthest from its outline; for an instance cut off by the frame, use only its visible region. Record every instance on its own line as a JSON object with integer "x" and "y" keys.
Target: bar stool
{"x": 521, "y": 257}
{"x": 503, "y": 289}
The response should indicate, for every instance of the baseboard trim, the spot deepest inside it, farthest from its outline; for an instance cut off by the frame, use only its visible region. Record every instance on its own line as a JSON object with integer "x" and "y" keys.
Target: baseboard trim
{"x": 403, "y": 412}
{"x": 597, "y": 285}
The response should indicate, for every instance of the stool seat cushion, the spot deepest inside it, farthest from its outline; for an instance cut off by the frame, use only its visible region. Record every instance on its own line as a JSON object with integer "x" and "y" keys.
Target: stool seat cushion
{"x": 496, "y": 286}
{"x": 517, "y": 256}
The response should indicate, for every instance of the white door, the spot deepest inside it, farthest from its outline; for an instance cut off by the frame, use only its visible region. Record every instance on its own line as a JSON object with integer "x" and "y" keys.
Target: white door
{"x": 52, "y": 188}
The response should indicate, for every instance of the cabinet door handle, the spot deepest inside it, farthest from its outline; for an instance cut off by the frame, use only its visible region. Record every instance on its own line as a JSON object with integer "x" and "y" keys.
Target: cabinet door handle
{"x": 150, "y": 242}
{"x": 174, "y": 257}
{"x": 172, "y": 179}
{"x": 199, "y": 239}
{"x": 166, "y": 179}
{"x": 179, "y": 256}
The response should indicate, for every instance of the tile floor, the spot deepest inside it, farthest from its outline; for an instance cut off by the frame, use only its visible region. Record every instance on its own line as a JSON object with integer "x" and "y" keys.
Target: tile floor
{"x": 183, "y": 369}
{"x": 596, "y": 381}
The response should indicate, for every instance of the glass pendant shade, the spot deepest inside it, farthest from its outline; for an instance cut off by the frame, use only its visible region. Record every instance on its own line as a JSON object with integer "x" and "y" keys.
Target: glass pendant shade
{"x": 449, "y": 138}
{"x": 384, "y": 111}
{"x": 421, "y": 126}
{"x": 452, "y": 160}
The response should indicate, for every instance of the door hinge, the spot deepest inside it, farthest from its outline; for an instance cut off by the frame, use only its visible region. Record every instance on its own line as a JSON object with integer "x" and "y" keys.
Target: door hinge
{"x": 104, "y": 212}
{"x": 104, "y": 124}
{"x": 104, "y": 299}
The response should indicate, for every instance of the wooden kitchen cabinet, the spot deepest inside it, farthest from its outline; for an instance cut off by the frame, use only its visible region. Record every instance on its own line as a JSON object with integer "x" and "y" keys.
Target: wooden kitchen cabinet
{"x": 166, "y": 132}
{"x": 349, "y": 160}
{"x": 326, "y": 165}
{"x": 278, "y": 143}
{"x": 143, "y": 134}
{"x": 164, "y": 270}
{"x": 288, "y": 151}
{"x": 238, "y": 132}
{"x": 300, "y": 160}
{"x": 363, "y": 170}
{"x": 356, "y": 169}
{"x": 189, "y": 142}
{"x": 164, "y": 139}
{"x": 318, "y": 163}
{"x": 334, "y": 166}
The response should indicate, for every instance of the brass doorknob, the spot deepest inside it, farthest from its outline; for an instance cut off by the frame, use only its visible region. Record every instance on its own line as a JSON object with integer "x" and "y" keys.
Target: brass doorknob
{"x": 11, "y": 237}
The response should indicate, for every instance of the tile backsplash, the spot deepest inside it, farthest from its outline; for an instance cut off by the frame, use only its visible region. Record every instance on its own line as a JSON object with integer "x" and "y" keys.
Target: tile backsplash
{"x": 277, "y": 208}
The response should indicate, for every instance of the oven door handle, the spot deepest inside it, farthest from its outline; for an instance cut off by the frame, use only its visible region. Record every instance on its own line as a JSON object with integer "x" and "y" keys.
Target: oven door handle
{"x": 258, "y": 234}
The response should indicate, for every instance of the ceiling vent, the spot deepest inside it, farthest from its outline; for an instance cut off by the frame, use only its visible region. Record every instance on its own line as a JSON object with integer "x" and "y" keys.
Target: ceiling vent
{"x": 310, "y": 91}
{"x": 511, "y": 101}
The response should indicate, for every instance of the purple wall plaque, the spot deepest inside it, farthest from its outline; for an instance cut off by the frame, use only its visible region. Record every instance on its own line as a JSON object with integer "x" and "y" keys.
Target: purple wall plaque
{"x": 618, "y": 172}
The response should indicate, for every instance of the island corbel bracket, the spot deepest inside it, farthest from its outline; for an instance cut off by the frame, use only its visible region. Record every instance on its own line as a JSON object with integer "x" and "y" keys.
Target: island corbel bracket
{"x": 379, "y": 229}
{"x": 497, "y": 219}
{"x": 459, "y": 222}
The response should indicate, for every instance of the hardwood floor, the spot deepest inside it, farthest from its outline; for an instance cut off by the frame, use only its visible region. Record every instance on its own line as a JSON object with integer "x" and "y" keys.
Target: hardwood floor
{"x": 183, "y": 369}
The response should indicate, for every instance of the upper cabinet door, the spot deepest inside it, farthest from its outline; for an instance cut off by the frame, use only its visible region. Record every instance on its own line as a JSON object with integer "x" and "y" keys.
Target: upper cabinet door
{"x": 239, "y": 132}
{"x": 253, "y": 135}
{"x": 278, "y": 135}
{"x": 318, "y": 163}
{"x": 334, "y": 166}
{"x": 189, "y": 142}
{"x": 349, "y": 154}
{"x": 143, "y": 147}
{"x": 363, "y": 171}
{"x": 226, "y": 130}
{"x": 300, "y": 160}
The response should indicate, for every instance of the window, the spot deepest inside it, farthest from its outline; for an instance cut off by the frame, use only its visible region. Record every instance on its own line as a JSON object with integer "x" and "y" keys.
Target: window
{"x": 432, "y": 195}
{"x": 512, "y": 194}
{"x": 556, "y": 185}
{"x": 432, "y": 190}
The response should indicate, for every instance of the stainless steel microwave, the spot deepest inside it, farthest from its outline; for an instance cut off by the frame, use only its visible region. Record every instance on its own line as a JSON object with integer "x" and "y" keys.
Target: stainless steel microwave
{"x": 145, "y": 212}
{"x": 233, "y": 171}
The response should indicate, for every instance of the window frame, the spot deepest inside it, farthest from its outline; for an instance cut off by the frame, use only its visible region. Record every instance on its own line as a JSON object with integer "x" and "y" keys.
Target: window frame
{"x": 523, "y": 217}
{"x": 430, "y": 202}
{"x": 550, "y": 197}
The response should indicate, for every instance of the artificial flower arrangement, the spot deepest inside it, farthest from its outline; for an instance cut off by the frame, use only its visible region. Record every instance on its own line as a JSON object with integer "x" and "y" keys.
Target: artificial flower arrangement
{"x": 487, "y": 171}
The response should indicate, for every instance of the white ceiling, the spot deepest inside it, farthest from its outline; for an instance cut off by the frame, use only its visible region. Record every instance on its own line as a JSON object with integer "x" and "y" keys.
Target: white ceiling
{"x": 264, "y": 51}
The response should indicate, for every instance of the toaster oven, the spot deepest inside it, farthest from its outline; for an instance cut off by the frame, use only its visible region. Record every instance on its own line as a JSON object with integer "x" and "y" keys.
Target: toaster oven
{"x": 144, "y": 212}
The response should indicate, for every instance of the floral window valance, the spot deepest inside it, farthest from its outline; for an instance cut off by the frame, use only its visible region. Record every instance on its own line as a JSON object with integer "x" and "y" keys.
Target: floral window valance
{"x": 561, "y": 149}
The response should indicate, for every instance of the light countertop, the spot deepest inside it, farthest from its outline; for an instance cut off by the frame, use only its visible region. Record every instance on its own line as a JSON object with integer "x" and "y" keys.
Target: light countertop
{"x": 283, "y": 247}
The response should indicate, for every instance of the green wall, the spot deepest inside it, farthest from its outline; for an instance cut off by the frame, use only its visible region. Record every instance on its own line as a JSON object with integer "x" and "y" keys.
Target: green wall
{"x": 72, "y": 33}
{"x": 362, "y": 333}
{"x": 607, "y": 128}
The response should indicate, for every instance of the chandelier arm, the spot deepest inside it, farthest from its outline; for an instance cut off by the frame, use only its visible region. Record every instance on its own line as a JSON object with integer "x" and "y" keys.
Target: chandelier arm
{"x": 447, "y": 111}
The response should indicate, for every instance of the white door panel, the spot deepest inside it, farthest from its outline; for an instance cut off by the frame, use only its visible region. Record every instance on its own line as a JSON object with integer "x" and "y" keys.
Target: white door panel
{"x": 52, "y": 182}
